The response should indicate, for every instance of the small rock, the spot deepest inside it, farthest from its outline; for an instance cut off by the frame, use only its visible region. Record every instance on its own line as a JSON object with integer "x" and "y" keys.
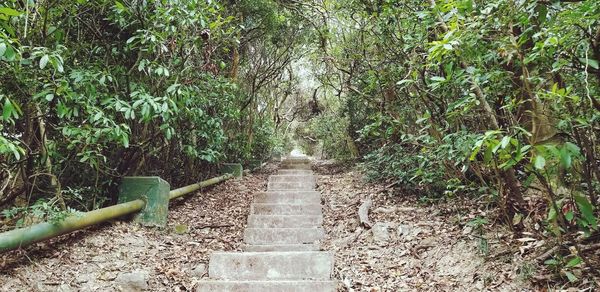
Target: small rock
{"x": 403, "y": 230}
{"x": 82, "y": 278}
{"x": 480, "y": 285}
{"x": 40, "y": 287}
{"x": 467, "y": 230}
{"x": 118, "y": 264}
{"x": 134, "y": 281}
{"x": 64, "y": 288}
{"x": 385, "y": 210}
{"x": 412, "y": 233}
{"x": 199, "y": 271}
{"x": 380, "y": 232}
{"x": 107, "y": 276}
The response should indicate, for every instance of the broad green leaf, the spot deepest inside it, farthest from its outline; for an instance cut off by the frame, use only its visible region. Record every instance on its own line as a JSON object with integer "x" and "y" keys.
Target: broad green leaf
{"x": 551, "y": 214}
{"x": 505, "y": 141}
{"x": 539, "y": 162}
{"x": 487, "y": 156}
{"x": 551, "y": 262}
{"x": 572, "y": 148}
{"x": 574, "y": 262}
{"x": 570, "y": 276}
{"x": 569, "y": 216}
{"x": 474, "y": 153}
{"x": 9, "y": 11}
{"x": 119, "y": 6}
{"x": 43, "y": 61}
{"x": 565, "y": 158}
{"x": 405, "y": 81}
{"x": 590, "y": 62}
{"x": 125, "y": 140}
{"x": 7, "y": 109}
{"x": 10, "y": 53}
{"x": 586, "y": 209}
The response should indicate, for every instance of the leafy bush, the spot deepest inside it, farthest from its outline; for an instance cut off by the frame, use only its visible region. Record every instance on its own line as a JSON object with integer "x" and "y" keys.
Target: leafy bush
{"x": 331, "y": 132}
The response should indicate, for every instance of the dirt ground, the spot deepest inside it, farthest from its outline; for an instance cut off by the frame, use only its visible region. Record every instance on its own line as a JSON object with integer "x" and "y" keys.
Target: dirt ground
{"x": 408, "y": 246}
{"x": 411, "y": 246}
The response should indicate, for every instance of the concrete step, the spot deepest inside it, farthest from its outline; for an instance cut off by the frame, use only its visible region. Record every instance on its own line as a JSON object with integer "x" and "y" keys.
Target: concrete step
{"x": 294, "y": 172}
{"x": 296, "y": 160}
{"x": 309, "y": 197}
{"x": 280, "y": 247}
{"x": 284, "y": 192}
{"x": 274, "y": 186}
{"x": 283, "y": 235}
{"x": 284, "y": 221}
{"x": 285, "y": 209}
{"x": 303, "y": 265}
{"x": 293, "y": 178}
{"x": 304, "y": 166}
{"x": 266, "y": 286}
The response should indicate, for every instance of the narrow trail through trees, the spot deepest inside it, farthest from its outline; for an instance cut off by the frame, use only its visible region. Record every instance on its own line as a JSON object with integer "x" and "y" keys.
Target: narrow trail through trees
{"x": 412, "y": 245}
{"x": 281, "y": 250}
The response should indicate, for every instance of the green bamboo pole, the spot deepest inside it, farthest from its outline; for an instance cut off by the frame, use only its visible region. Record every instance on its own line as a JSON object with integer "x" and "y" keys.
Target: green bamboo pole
{"x": 39, "y": 232}
{"x": 176, "y": 193}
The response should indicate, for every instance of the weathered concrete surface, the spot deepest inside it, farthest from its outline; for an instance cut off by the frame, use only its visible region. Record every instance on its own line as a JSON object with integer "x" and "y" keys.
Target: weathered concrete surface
{"x": 287, "y": 192}
{"x": 283, "y": 235}
{"x": 296, "y": 166}
{"x": 281, "y": 251}
{"x": 284, "y": 221}
{"x": 280, "y": 247}
{"x": 155, "y": 192}
{"x": 285, "y": 209}
{"x": 272, "y": 186}
{"x": 309, "y": 197}
{"x": 309, "y": 265}
{"x": 292, "y": 178}
{"x": 267, "y": 286}
{"x": 294, "y": 171}
{"x": 234, "y": 168}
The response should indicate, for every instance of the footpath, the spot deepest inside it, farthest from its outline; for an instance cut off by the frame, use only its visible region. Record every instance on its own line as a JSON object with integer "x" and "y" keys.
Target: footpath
{"x": 281, "y": 250}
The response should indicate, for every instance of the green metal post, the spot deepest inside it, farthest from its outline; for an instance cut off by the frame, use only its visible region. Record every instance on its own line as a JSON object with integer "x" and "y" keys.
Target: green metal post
{"x": 253, "y": 164}
{"x": 234, "y": 168}
{"x": 276, "y": 157}
{"x": 152, "y": 189}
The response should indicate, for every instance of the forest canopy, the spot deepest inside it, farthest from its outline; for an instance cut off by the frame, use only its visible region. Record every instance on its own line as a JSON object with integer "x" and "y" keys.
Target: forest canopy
{"x": 496, "y": 101}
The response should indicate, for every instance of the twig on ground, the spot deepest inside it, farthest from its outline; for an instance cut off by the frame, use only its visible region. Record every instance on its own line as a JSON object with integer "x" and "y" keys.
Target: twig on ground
{"x": 363, "y": 213}
{"x": 216, "y": 226}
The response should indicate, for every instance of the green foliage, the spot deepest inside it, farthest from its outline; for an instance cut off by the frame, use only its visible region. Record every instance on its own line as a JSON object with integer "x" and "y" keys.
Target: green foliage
{"x": 41, "y": 210}
{"x": 331, "y": 131}
{"x": 95, "y": 90}
{"x": 491, "y": 98}
{"x": 419, "y": 163}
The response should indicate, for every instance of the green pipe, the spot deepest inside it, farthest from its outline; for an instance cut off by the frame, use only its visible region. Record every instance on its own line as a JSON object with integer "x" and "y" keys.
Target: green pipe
{"x": 39, "y": 232}
{"x": 25, "y": 236}
{"x": 176, "y": 193}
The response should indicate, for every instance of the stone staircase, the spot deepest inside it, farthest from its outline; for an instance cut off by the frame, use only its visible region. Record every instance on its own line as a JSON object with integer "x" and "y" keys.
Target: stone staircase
{"x": 281, "y": 250}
